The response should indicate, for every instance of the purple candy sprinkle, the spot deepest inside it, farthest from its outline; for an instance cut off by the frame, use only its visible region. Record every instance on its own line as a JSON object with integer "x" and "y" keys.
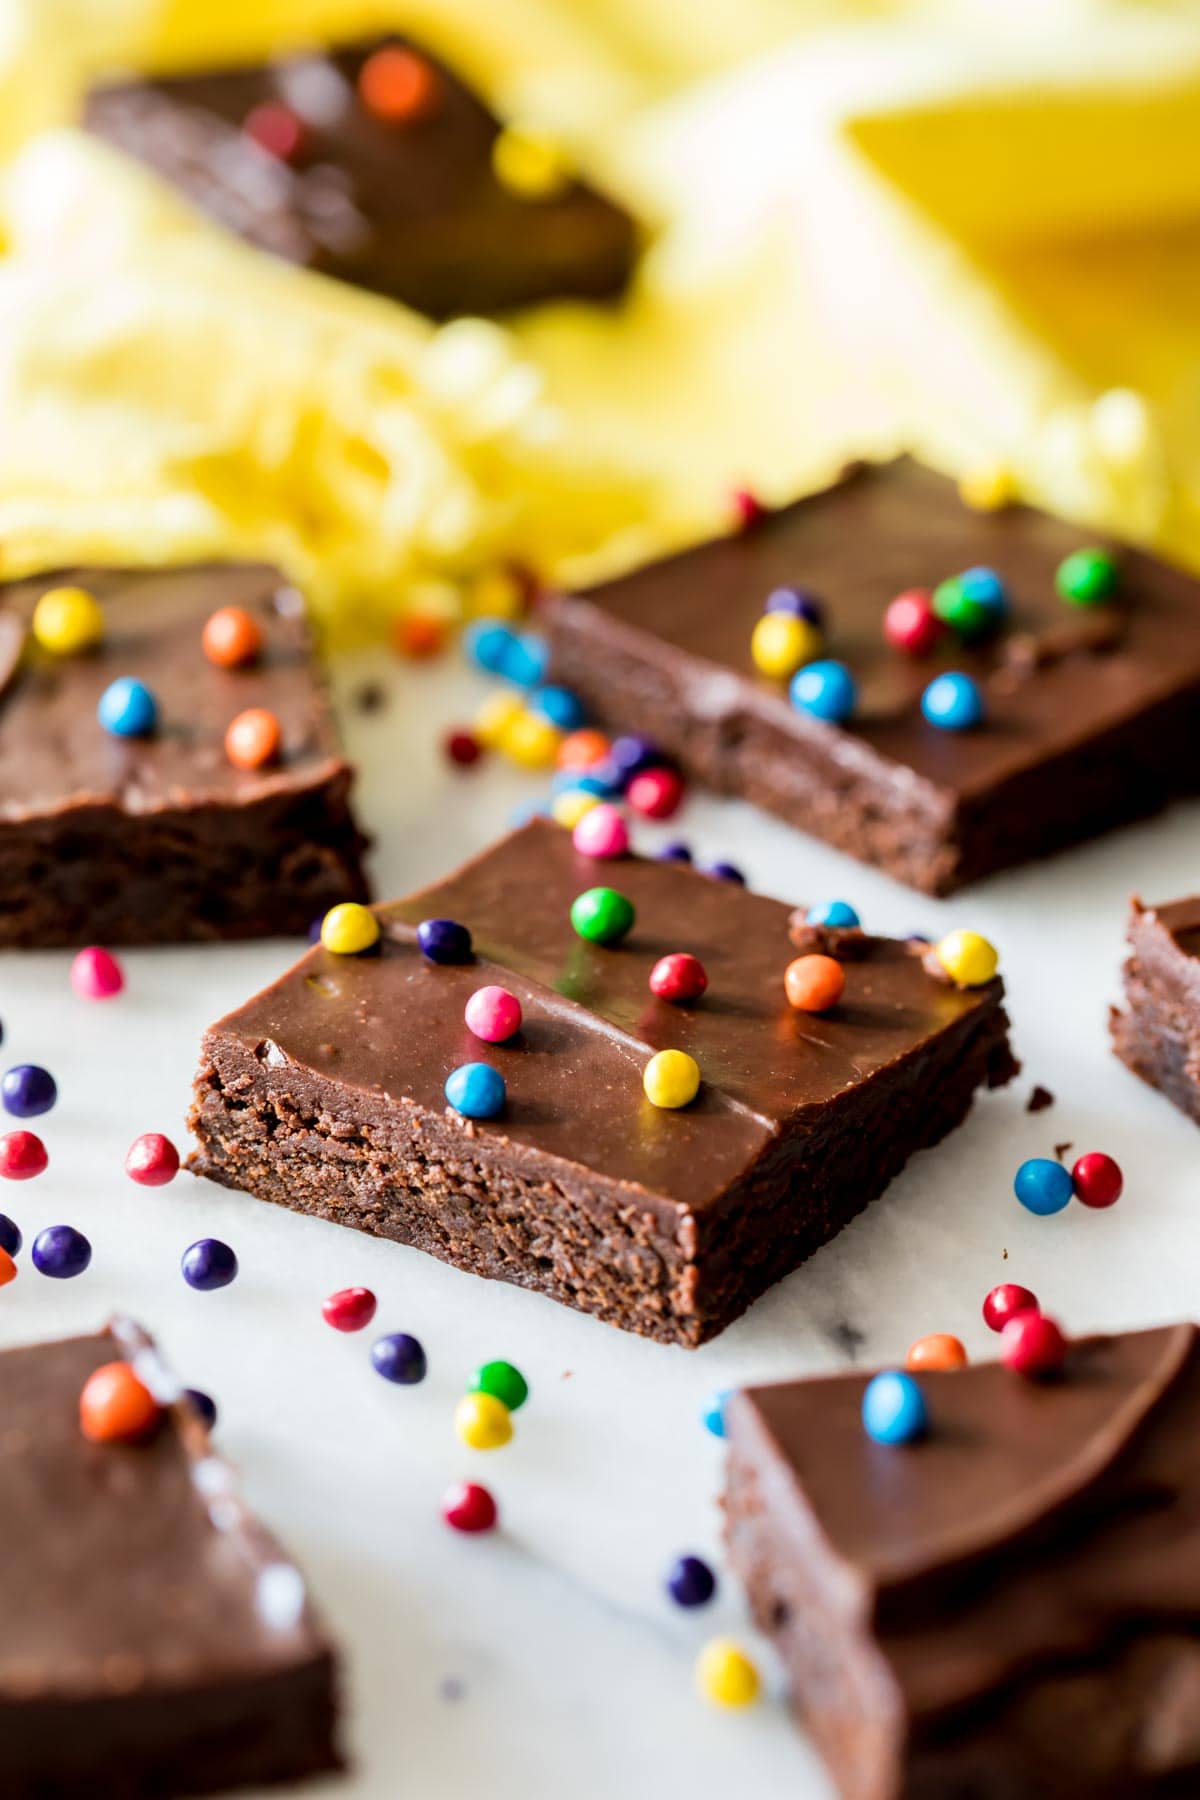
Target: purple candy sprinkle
{"x": 27, "y": 1090}
{"x": 798, "y": 602}
{"x": 10, "y": 1235}
{"x": 444, "y": 941}
{"x": 690, "y": 1581}
{"x": 726, "y": 871}
{"x": 676, "y": 851}
{"x": 61, "y": 1252}
{"x": 202, "y": 1403}
{"x": 208, "y": 1264}
{"x": 399, "y": 1358}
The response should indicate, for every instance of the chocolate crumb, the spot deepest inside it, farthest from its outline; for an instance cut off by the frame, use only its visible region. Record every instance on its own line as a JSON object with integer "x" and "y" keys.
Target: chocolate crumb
{"x": 1039, "y": 1099}
{"x": 1060, "y": 1150}
{"x": 371, "y": 697}
{"x": 847, "y": 1338}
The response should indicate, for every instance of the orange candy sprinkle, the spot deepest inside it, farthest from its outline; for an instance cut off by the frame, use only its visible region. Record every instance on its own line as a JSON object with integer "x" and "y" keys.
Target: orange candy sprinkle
{"x": 8, "y": 1269}
{"x": 582, "y": 749}
{"x": 253, "y": 738}
{"x": 231, "y": 637}
{"x": 418, "y": 636}
{"x": 814, "y": 983}
{"x": 398, "y": 86}
{"x": 939, "y": 1350}
{"x": 115, "y": 1407}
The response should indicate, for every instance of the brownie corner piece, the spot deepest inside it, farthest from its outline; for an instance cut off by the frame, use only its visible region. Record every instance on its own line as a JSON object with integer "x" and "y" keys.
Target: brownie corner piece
{"x": 1081, "y": 716}
{"x": 326, "y": 1092}
{"x": 157, "y": 1641}
{"x": 1156, "y": 1032}
{"x": 1008, "y": 1606}
{"x": 158, "y": 837}
{"x": 387, "y": 177}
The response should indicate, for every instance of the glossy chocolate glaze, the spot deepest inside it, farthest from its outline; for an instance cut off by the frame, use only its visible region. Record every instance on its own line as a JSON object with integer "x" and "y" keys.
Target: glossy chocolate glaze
{"x": 1056, "y": 677}
{"x": 54, "y": 754}
{"x": 137, "y": 1652}
{"x": 412, "y": 210}
{"x": 1038, "y": 1529}
{"x": 388, "y": 1027}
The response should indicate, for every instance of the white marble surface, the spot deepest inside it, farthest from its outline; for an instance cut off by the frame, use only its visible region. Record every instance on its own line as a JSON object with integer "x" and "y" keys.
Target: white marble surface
{"x": 546, "y": 1659}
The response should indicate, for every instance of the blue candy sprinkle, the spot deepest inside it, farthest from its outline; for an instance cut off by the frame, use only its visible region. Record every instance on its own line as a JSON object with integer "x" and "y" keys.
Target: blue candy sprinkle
{"x": 525, "y": 660}
{"x": 487, "y": 642}
{"x": 476, "y": 1090}
{"x": 127, "y": 708}
{"x": 893, "y": 1409}
{"x": 713, "y": 1416}
{"x": 826, "y": 689}
{"x": 1042, "y": 1186}
{"x": 986, "y": 589}
{"x": 560, "y": 706}
{"x": 952, "y": 702}
{"x": 570, "y": 781}
{"x": 838, "y": 914}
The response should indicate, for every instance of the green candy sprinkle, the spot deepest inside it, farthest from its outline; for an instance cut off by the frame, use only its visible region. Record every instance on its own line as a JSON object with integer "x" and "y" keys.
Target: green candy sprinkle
{"x": 601, "y": 915}
{"x": 503, "y": 1382}
{"x": 1087, "y": 577}
{"x": 960, "y": 611}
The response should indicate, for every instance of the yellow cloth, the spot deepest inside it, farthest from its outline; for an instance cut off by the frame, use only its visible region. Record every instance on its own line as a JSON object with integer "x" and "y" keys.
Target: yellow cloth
{"x": 972, "y": 227}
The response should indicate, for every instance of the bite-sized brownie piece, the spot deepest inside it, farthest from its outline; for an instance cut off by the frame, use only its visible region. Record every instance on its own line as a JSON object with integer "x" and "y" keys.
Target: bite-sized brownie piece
{"x": 375, "y": 164}
{"x": 1008, "y": 1607}
{"x": 325, "y": 1092}
{"x": 157, "y": 838}
{"x": 156, "y": 1640}
{"x": 1091, "y": 711}
{"x": 1158, "y": 1033}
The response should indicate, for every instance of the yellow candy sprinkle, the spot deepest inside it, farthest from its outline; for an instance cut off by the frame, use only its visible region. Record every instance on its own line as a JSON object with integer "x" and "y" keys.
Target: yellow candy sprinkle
{"x": 67, "y": 620}
{"x": 781, "y": 644}
{"x": 496, "y": 594}
{"x": 671, "y": 1078}
{"x": 967, "y": 958}
{"x": 528, "y": 164}
{"x": 725, "y": 1675}
{"x": 349, "y": 929}
{"x": 570, "y": 807}
{"x": 530, "y": 740}
{"x": 987, "y": 488}
{"x": 482, "y": 1421}
{"x": 495, "y": 716}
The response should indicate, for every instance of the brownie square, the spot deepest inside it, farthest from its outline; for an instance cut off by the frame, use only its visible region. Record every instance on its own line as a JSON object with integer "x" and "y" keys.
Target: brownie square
{"x": 413, "y": 210}
{"x": 1092, "y": 715}
{"x": 157, "y": 839}
{"x": 324, "y": 1093}
{"x": 1008, "y": 1608}
{"x": 156, "y": 1640}
{"x": 1157, "y": 1034}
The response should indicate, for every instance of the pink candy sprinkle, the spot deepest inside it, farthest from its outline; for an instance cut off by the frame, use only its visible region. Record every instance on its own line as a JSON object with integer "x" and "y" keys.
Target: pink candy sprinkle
{"x": 96, "y": 974}
{"x": 493, "y": 1014}
{"x": 601, "y": 832}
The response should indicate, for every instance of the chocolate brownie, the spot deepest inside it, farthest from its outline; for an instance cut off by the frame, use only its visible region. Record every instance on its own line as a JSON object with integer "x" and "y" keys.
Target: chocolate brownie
{"x": 159, "y": 838}
{"x": 410, "y": 206}
{"x": 1158, "y": 1033}
{"x": 325, "y": 1092}
{"x": 1007, "y": 1609}
{"x": 1091, "y": 713}
{"x": 156, "y": 1640}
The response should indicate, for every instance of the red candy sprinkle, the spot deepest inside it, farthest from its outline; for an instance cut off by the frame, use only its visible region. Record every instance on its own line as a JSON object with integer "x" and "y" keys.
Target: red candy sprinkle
{"x": 1032, "y": 1345}
{"x": 468, "y": 1507}
{"x": 152, "y": 1160}
{"x": 910, "y": 623}
{"x": 678, "y": 977}
{"x": 276, "y": 129}
{"x": 1005, "y": 1302}
{"x": 1097, "y": 1179}
{"x": 96, "y": 974}
{"x": 655, "y": 793}
{"x": 22, "y": 1155}
{"x": 462, "y": 748}
{"x": 748, "y": 509}
{"x": 350, "y": 1309}
{"x": 8, "y": 1269}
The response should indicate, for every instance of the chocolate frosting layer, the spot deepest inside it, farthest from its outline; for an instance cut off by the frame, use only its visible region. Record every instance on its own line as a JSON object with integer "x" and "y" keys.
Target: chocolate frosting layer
{"x": 1054, "y": 678}
{"x": 131, "y": 1569}
{"x": 413, "y": 210}
{"x": 55, "y": 755}
{"x": 390, "y": 1024}
{"x": 1037, "y": 1524}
